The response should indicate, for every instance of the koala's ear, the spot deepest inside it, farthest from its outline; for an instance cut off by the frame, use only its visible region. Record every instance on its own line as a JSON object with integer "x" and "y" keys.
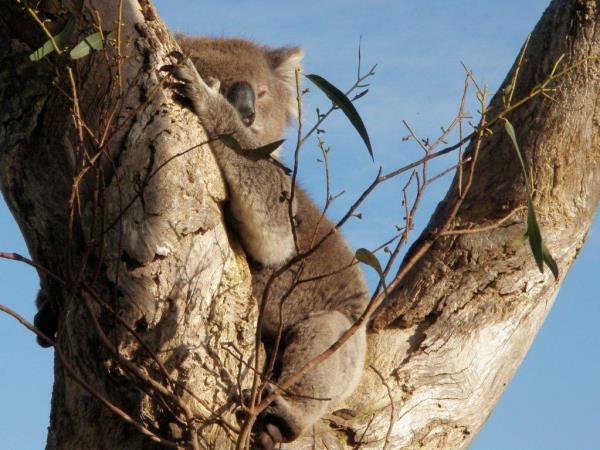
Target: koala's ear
{"x": 284, "y": 62}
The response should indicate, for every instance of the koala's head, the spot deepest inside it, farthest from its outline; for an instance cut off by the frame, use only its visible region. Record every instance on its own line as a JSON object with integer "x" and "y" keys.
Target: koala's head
{"x": 258, "y": 81}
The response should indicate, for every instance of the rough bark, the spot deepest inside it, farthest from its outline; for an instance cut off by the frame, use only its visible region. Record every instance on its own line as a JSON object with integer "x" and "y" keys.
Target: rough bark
{"x": 446, "y": 343}
{"x": 456, "y": 329}
{"x": 167, "y": 265}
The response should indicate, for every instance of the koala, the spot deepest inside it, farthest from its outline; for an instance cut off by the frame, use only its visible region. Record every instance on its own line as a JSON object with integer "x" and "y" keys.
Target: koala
{"x": 45, "y": 319}
{"x": 248, "y": 91}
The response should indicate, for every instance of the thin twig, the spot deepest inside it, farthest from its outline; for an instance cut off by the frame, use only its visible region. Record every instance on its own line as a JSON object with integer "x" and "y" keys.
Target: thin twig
{"x": 296, "y": 160}
{"x": 73, "y": 374}
{"x": 392, "y": 408}
{"x": 45, "y": 30}
{"x": 489, "y": 227}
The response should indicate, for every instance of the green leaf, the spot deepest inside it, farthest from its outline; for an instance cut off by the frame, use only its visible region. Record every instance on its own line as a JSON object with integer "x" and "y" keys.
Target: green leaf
{"x": 367, "y": 257}
{"x": 541, "y": 254}
{"x": 230, "y": 142}
{"x": 534, "y": 235}
{"x": 518, "y": 242}
{"x": 60, "y": 40}
{"x": 549, "y": 260}
{"x": 92, "y": 42}
{"x": 263, "y": 152}
{"x": 254, "y": 154}
{"x": 511, "y": 133}
{"x": 341, "y": 101}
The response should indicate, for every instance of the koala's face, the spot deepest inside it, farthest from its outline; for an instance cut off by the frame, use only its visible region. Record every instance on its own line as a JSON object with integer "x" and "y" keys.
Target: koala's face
{"x": 259, "y": 82}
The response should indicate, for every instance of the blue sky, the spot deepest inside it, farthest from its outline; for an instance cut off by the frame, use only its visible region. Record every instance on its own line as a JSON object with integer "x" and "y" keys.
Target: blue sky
{"x": 553, "y": 401}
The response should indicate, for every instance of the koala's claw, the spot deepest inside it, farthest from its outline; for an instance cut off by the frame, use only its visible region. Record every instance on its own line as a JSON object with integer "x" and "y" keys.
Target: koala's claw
{"x": 213, "y": 83}
{"x": 268, "y": 434}
{"x": 202, "y": 94}
{"x": 187, "y": 74}
{"x": 269, "y": 438}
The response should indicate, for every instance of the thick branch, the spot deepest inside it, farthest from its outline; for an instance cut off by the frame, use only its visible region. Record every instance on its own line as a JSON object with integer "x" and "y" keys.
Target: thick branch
{"x": 459, "y": 324}
{"x": 150, "y": 244}
{"x": 115, "y": 196}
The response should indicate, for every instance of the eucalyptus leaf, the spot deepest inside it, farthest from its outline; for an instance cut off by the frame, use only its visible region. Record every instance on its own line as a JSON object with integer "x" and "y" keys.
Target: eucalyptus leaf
{"x": 367, "y": 257}
{"x": 360, "y": 94}
{"x": 340, "y": 100}
{"x": 60, "y": 40}
{"x": 92, "y": 42}
{"x": 541, "y": 254}
{"x": 513, "y": 137}
{"x": 254, "y": 154}
{"x": 534, "y": 235}
{"x": 550, "y": 262}
{"x": 230, "y": 142}
{"x": 518, "y": 242}
{"x": 263, "y": 152}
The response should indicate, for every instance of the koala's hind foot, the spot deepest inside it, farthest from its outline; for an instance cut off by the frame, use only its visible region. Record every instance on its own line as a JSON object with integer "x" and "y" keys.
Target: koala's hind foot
{"x": 292, "y": 413}
{"x": 271, "y": 426}
{"x": 45, "y": 319}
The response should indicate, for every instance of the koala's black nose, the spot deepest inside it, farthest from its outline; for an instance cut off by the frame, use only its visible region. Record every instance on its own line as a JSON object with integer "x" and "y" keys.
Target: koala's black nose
{"x": 241, "y": 96}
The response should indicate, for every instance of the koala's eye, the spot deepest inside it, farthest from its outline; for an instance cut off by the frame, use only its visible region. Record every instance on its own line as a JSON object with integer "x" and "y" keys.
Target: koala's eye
{"x": 261, "y": 92}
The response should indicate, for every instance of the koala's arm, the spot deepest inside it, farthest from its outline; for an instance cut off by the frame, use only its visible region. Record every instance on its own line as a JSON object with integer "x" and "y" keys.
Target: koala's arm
{"x": 258, "y": 189}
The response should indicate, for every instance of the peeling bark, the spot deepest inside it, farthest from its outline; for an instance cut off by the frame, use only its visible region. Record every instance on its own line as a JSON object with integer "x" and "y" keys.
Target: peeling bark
{"x": 167, "y": 265}
{"x": 446, "y": 343}
{"x": 455, "y": 330}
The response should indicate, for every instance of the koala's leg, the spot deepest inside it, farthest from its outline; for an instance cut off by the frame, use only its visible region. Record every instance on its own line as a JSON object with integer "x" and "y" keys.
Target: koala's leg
{"x": 331, "y": 381}
{"x": 259, "y": 190}
{"x": 45, "y": 320}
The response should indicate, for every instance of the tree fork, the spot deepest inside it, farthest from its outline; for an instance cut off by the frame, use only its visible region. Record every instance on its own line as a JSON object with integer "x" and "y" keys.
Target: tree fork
{"x": 456, "y": 328}
{"x": 443, "y": 347}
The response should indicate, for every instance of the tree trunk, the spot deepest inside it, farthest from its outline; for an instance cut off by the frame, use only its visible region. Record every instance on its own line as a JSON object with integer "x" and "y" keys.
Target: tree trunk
{"x": 165, "y": 262}
{"x": 141, "y": 233}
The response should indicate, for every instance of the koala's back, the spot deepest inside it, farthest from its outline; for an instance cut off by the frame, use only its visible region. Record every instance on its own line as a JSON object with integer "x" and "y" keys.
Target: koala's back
{"x": 335, "y": 283}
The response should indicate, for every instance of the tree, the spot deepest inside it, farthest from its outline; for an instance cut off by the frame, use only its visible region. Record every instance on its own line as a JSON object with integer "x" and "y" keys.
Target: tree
{"x": 445, "y": 329}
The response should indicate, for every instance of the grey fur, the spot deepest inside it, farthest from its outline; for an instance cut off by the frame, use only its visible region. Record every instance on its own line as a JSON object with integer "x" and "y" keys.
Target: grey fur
{"x": 317, "y": 312}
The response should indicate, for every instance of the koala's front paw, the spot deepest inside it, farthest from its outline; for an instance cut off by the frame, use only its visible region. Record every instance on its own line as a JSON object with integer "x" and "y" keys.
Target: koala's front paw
{"x": 202, "y": 94}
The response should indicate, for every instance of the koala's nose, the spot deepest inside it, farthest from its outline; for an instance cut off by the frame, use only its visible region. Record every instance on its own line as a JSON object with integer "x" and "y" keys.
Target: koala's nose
{"x": 241, "y": 96}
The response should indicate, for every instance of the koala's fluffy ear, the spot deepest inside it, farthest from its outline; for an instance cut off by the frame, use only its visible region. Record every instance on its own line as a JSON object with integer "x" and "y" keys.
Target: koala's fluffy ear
{"x": 284, "y": 62}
